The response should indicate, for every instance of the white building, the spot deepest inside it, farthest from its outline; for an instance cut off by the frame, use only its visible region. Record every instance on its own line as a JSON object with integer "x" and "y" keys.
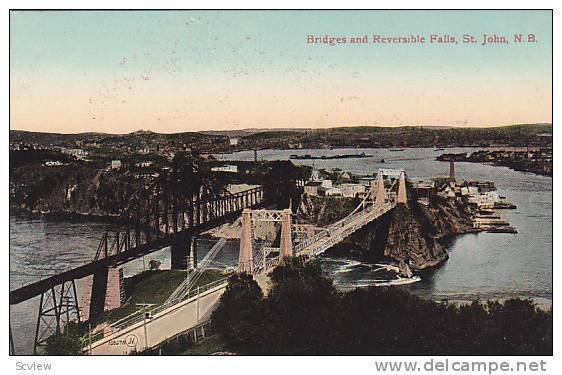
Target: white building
{"x": 393, "y": 173}
{"x": 332, "y": 192}
{"x": 76, "y": 152}
{"x": 115, "y": 164}
{"x": 485, "y": 200}
{"x": 233, "y": 141}
{"x": 473, "y": 190}
{"x": 311, "y": 188}
{"x": 226, "y": 168}
{"x": 315, "y": 175}
{"x": 367, "y": 181}
{"x": 352, "y": 190}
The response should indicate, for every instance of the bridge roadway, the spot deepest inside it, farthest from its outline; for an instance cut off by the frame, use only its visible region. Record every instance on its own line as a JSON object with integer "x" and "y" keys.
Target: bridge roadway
{"x": 164, "y": 324}
{"x": 35, "y": 289}
{"x": 337, "y": 232}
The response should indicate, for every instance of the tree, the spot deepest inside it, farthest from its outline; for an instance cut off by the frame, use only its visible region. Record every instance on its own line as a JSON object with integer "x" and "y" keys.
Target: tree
{"x": 65, "y": 343}
{"x": 240, "y": 314}
{"x": 300, "y": 308}
{"x": 303, "y": 313}
{"x": 154, "y": 265}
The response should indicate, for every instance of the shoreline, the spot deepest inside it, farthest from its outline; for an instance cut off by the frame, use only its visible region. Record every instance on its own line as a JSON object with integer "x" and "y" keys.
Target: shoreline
{"x": 64, "y": 216}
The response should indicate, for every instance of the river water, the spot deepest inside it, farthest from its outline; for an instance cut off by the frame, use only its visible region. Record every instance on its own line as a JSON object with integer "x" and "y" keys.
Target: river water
{"x": 483, "y": 265}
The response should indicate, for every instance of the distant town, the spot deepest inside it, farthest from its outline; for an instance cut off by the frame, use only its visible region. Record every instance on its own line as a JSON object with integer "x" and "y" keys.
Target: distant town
{"x": 144, "y": 142}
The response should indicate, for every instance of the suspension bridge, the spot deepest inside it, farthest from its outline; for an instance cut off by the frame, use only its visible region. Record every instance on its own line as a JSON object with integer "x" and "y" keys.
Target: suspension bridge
{"x": 188, "y": 309}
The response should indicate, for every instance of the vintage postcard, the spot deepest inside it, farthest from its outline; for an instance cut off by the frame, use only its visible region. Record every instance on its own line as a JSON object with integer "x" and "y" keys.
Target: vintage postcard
{"x": 282, "y": 182}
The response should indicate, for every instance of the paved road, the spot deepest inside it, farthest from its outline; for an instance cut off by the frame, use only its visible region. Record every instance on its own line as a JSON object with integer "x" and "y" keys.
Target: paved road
{"x": 165, "y": 324}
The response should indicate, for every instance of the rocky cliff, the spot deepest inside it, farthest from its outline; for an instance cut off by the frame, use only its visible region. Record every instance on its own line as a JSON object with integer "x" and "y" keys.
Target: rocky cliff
{"x": 408, "y": 236}
{"x": 69, "y": 191}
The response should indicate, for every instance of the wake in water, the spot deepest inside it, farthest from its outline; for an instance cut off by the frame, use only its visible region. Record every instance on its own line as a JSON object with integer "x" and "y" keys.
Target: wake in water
{"x": 382, "y": 282}
{"x": 348, "y": 274}
{"x": 348, "y": 266}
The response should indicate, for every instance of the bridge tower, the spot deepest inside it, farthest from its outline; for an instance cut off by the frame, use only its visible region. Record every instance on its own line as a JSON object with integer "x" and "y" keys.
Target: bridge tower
{"x": 381, "y": 195}
{"x": 252, "y": 260}
{"x": 402, "y": 198}
{"x": 245, "y": 258}
{"x": 286, "y": 242}
{"x": 104, "y": 290}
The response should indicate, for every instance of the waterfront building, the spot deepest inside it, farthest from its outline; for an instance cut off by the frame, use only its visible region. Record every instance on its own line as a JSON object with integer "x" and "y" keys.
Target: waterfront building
{"x": 315, "y": 175}
{"x": 369, "y": 181}
{"x": 311, "y": 188}
{"x": 349, "y": 190}
{"x": 485, "y": 200}
{"x": 472, "y": 190}
{"x": 393, "y": 173}
{"x": 326, "y": 184}
{"x": 346, "y": 176}
{"x": 332, "y": 192}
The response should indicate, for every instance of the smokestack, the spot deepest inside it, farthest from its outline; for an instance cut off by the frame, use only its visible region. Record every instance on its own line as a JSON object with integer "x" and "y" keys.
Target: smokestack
{"x": 452, "y": 170}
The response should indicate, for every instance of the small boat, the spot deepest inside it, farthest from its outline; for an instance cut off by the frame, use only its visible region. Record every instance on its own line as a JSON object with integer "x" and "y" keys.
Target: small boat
{"x": 438, "y": 149}
{"x": 396, "y": 149}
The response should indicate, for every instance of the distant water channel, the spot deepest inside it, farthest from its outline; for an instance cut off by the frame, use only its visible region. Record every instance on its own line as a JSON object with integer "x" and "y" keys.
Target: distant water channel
{"x": 483, "y": 265}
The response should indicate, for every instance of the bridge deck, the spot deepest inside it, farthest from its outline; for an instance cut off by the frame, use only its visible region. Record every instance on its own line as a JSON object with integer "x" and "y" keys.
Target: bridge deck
{"x": 338, "y": 232}
{"x": 35, "y": 289}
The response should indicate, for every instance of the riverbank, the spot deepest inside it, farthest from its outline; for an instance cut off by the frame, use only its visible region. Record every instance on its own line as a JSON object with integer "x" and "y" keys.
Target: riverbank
{"x": 332, "y": 157}
{"x": 70, "y": 216}
{"x": 537, "y": 161}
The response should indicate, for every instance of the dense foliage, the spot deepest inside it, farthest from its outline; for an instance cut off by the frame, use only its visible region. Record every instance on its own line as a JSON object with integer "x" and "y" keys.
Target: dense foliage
{"x": 304, "y": 314}
{"x": 66, "y": 343}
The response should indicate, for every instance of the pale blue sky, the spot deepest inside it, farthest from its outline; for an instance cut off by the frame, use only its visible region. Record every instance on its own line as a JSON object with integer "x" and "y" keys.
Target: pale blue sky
{"x": 104, "y": 57}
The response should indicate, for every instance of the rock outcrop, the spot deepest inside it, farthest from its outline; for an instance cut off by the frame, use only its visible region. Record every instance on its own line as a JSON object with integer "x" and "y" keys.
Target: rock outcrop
{"x": 69, "y": 191}
{"x": 324, "y": 210}
{"x": 412, "y": 241}
{"x": 408, "y": 236}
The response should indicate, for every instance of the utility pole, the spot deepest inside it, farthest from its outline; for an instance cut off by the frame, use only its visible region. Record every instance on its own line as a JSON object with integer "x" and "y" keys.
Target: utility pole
{"x": 197, "y": 305}
{"x": 90, "y": 337}
{"x": 145, "y": 333}
{"x": 144, "y": 312}
{"x": 12, "y": 350}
